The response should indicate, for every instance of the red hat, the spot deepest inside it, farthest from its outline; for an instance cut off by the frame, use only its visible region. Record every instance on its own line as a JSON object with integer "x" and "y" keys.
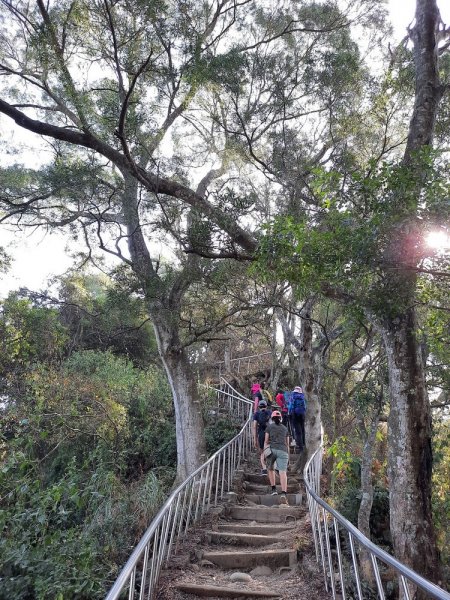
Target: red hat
{"x": 276, "y": 413}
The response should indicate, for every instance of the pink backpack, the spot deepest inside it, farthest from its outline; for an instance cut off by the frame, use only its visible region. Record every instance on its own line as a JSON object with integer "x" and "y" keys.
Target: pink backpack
{"x": 255, "y": 388}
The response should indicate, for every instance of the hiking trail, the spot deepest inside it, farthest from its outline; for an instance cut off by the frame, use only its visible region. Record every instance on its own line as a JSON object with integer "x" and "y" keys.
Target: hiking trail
{"x": 249, "y": 545}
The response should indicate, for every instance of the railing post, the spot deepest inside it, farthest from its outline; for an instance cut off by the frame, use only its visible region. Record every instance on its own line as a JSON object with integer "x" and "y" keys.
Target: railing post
{"x": 217, "y": 478}
{"x": 211, "y": 477}
{"x": 144, "y": 573}
{"x": 176, "y": 515}
{"x": 330, "y": 558}
{"x": 180, "y": 524}
{"x": 188, "y": 517}
{"x": 339, "y": 555}
{"x": 355, "y": 566}
{"x": 206, "y": 487}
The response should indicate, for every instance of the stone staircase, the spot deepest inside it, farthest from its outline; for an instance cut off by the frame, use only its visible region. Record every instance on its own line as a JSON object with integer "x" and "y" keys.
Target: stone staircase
{"x": 251, "y": 546}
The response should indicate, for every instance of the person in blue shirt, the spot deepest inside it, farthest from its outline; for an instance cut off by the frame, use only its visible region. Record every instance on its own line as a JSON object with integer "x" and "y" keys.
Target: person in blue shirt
{"x": 297, "y": 412}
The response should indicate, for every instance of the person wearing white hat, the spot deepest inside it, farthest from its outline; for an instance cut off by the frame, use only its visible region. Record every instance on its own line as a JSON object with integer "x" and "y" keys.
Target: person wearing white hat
{"x": 297, "y": 411}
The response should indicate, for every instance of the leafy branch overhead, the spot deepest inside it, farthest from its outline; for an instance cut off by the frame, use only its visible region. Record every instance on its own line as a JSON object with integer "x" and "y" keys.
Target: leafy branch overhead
{"x": 115, "y": 78}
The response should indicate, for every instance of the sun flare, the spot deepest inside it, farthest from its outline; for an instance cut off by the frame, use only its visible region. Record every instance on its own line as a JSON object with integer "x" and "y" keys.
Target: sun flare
{"x": 439, "y": 240}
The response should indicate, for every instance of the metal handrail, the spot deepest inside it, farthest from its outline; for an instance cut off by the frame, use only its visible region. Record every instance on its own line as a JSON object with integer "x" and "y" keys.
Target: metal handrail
{"x": 221, "y": 362}
{"x": 224, "y": 386}
{"x": 235, "y": 363}
{"x": 185, "y": 505}
{"x": 321, "y": 515}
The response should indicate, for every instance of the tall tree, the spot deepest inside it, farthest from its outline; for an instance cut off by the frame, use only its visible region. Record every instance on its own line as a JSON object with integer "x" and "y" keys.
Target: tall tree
{"x": 410, "y": 456}
{"x": 150, "y": 57}
{"x": 368, "y": 230}
{"x": 112, "y": 79}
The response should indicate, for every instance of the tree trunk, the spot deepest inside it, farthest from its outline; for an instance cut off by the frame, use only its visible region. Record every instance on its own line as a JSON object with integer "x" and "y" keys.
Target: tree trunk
{"x": 191, "y": 448}
{"x": 163, "y": 308}
{"x": 409, "y": 448}
{"x": 310, "y": 371}
{"x": 275, "y": 373}
{"x": 277, "y": 362}
{"x": 227, "y": 359}
{"x": 310, "y": 368}
{"x": 365, "y": 508}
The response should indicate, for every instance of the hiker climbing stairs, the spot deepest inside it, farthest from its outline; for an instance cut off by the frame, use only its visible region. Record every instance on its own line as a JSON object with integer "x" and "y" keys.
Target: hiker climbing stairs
{"x": 223, "y": 534}
{"x": 249, "y": 546}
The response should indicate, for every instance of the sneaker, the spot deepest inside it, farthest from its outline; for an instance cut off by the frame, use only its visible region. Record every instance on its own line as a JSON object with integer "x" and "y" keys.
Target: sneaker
{"x": 283, "y": 499}
{"x": 274, "y": 493}
{"x": 263, "y": 471}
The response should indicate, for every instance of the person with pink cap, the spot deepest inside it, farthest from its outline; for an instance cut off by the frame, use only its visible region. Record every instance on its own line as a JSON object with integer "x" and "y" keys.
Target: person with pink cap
{"x": 277, "y": 438}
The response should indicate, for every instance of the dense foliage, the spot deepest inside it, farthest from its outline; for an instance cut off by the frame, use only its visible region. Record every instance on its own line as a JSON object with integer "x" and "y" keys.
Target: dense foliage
{"x": 87, "y": 446}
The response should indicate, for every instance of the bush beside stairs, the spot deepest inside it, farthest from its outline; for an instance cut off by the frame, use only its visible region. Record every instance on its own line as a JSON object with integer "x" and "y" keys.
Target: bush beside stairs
{"x": 249, "y": 546}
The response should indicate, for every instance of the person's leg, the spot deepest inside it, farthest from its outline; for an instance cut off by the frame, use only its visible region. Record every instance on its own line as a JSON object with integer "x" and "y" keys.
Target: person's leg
{"x": 263, "y": 462}
{"x": 290, "y": 426}
{"x": 283, "y": 460}
{"x": 261, "y": 457}
{"x": 297, "y": 432}
{"x": 272, "y": 481}
{"x": 270, "y": 462}
{"x": 302, "y": 429}
{"x": 283, "y": 481}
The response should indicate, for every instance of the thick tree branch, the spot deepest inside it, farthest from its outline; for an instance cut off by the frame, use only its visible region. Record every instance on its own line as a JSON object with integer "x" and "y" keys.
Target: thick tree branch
{"x": 153, "y": 183}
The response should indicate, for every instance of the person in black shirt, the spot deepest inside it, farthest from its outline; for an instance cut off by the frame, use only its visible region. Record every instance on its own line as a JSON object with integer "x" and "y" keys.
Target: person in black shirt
{"x": 261, "y": 419}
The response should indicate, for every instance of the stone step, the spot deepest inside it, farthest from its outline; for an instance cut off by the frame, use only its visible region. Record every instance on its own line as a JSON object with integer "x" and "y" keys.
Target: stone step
{"x": 294, "y": 455}
{"x": 272, "y": 529}
{"x": 257, "y": 488}
{"x": 283, "y": 557}
{"x": 269, "y": 500}
{"x": 216, "y": 591}
{"x": 256, "y": 464}
{"x": 240, "y": 539}
{"x": 293, "y": 458}
{"x": 263, "y": 514}
{"x": 264, "y": 479}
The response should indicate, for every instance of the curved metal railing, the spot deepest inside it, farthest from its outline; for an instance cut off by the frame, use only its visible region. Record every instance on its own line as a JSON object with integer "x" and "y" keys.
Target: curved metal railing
{"x": 241, "y": 365}
{"x": 186, "y": 505}
{"x": 340, "y": 547}
{"x": 343, "y": 569}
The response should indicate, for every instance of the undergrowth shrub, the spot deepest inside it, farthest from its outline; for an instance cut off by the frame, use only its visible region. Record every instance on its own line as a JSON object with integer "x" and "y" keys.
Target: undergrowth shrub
{"x": 69, "y": 539}
{"x": 87, "y": 459}
{"x": 218, "y": 433}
